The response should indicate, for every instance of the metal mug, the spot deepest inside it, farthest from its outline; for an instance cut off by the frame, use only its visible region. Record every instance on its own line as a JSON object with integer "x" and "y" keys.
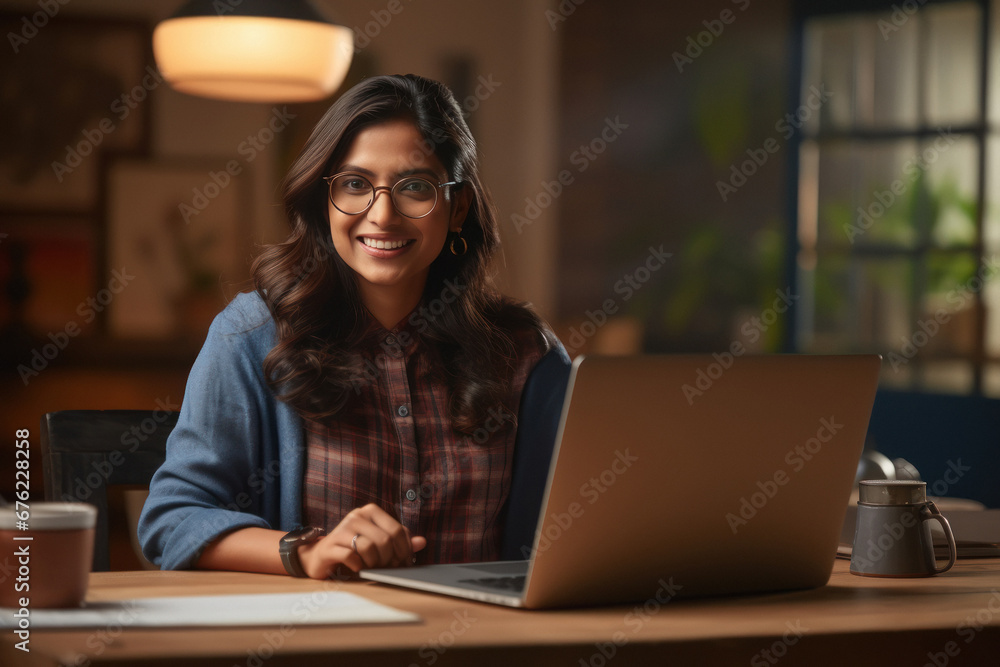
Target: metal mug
{"x": 892, "y": 537}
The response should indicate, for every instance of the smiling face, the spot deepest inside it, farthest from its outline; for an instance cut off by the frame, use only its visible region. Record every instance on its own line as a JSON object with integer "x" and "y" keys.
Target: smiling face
{"x": 390, "y": 253}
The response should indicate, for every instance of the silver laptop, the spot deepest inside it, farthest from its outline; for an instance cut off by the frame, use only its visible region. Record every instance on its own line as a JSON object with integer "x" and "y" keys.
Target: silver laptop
{"x": 685, "y": 476}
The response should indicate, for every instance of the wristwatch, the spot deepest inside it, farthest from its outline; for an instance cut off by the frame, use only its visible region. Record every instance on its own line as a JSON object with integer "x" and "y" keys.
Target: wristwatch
{"x": 288, "y": 548}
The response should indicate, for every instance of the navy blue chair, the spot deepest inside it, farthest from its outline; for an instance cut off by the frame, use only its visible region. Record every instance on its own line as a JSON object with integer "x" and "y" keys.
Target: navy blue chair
{"x": 541, "y": 406}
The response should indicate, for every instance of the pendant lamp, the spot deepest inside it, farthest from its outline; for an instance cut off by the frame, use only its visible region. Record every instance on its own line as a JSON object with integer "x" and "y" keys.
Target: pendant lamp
{"x": 253, "y": 50}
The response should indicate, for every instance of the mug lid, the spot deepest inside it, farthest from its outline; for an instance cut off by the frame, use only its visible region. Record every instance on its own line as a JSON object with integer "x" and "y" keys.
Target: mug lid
{"x": 892, "y": 492}
{"x": 50, "y": 516}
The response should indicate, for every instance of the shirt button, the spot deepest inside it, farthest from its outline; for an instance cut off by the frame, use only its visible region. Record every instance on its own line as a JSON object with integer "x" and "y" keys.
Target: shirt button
{"x": 411, "y": 494}
{"x": 390, "y": 340}
{"x": 402, "y": 411}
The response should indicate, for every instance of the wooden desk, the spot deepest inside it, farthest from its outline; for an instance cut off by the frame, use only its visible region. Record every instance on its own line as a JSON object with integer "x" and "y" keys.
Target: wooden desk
{"x": 852, "y": 620}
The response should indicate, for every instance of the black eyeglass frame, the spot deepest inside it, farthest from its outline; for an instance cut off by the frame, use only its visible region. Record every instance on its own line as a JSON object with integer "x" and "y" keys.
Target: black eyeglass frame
{"x": 375, "y": 188}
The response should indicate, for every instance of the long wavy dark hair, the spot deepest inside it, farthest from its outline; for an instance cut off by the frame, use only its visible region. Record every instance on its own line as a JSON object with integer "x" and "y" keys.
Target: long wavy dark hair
{"x": 313, "y": 295}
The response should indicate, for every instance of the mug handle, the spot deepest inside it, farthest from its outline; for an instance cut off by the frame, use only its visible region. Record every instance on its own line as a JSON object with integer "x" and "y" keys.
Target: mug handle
{"x": 930, "y": 511}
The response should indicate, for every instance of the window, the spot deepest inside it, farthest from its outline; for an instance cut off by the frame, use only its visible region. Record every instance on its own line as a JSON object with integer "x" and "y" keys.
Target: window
{"x": 897, "y": 187}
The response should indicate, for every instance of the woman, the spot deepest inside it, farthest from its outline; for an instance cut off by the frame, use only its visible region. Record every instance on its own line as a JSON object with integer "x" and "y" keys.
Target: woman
{"x": 360, "y": 407}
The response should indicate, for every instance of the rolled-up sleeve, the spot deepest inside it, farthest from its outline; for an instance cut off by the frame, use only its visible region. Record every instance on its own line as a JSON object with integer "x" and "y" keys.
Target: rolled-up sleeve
{"x": 223, "y": 468}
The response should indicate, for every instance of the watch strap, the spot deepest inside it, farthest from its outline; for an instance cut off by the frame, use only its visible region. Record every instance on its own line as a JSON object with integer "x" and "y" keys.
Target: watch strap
{"x": 288, "y": 548}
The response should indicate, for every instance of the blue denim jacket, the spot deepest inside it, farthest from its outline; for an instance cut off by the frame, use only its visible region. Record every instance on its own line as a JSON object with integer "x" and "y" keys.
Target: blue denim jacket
{"x": 235, "y": 458}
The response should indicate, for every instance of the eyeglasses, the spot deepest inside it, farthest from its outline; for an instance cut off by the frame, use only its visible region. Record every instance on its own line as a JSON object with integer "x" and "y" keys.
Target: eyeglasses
{"x": 413, "y": 197}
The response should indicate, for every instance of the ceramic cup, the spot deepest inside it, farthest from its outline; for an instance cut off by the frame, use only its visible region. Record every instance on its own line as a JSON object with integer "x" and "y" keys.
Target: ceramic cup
{"x": 892, "y": 537}
{"x": 51, "y": 559}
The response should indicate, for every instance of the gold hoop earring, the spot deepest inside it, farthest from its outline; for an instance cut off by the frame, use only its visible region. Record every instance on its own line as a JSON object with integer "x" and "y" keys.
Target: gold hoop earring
{"x": 465, "y": 246}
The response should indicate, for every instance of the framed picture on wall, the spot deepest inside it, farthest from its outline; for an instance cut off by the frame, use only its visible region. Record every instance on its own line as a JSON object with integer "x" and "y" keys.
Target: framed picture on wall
{"x": 73, "y": 89}
{"x": 176, "y": 243}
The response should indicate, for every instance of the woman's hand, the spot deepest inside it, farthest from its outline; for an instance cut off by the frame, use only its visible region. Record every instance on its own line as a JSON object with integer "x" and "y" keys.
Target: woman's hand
{"x": 381, "y": 542}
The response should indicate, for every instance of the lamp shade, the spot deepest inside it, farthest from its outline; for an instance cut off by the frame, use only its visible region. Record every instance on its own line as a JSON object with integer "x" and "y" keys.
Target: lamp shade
{"x": 261, "y": 51}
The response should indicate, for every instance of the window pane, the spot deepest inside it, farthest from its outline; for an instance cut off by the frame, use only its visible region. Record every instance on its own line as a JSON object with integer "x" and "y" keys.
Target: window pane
{"x": 989, "y": 269}
{"x": 952, "y": 60}
{"x": 948, "y": 314}
{"x": 994, "y": 71}
{"x": 885, "y": 292}
{"x": 950, "y": 163}
{"x": 838, "y": 222}
{"x": 857, "y": 304}
{"x": 866, "y": 193}
{"x": 989, "y": 273}
{"x": 991, "y": 229}
{"x": 829, "y": 61}
{"x": 825, "y": 317}
{"x": 892, "y": 60}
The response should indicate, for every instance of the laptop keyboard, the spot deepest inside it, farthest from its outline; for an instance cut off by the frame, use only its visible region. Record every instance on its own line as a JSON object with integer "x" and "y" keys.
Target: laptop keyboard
{"x": 513, "y": 584}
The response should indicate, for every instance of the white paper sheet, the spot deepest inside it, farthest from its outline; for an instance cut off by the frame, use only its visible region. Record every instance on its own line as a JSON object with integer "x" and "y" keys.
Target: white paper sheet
{"x": 315, "y": 608}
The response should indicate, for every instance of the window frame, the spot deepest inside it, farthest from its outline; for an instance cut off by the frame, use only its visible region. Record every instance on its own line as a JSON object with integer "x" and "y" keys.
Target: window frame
{"x": 805, "y": 11}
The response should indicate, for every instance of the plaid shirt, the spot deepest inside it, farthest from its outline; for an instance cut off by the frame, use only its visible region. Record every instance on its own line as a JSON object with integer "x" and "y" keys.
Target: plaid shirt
{"x": 395, "y": 447}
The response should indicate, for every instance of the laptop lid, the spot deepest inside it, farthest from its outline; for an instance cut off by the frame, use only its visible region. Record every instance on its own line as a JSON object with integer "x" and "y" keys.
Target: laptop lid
{"x": 688, "y": 475}
{"x": 708, "y": 474}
